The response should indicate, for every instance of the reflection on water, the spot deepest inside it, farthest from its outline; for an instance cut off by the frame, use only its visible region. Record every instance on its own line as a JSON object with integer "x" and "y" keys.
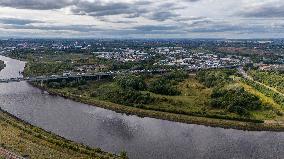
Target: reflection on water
{"x": 12, "y": 69}
{"x": 140, "y": 137}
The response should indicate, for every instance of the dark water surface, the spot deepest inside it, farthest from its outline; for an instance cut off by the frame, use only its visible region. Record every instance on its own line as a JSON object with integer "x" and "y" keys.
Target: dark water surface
{"x": 141, "y": 137}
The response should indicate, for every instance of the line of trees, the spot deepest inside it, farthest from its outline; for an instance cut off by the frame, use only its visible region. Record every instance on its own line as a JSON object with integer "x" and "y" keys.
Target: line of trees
{"x": 273, "y": 79}
{"x": 46, "y": 68}
{"x": 57, "y": 84}
{"x": 278, "y": 98}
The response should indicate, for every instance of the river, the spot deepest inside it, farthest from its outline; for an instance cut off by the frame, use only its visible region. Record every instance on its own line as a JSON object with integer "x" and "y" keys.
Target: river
{"x": 142, "y": 138}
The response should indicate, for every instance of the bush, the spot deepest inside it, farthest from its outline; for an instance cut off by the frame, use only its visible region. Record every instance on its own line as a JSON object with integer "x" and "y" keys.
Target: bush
{"x": 127, "y": 97}
{"x": 270, "y": 78}
{"x": 123, "y": 155}
{"x": 83, "y": 87}
{"x": 211, "y": 78}
{"x": 131, "y": 82}
{"x": 278, "y": 98}
{"x": 235, "y": 100}
{"x": 55, "y": 85}
{"x": 177, "y": 76}
{"x": 164, "y": 87}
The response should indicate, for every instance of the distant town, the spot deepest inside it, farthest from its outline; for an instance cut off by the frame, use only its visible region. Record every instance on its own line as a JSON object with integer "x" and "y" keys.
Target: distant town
{"x": 190, "y": 55}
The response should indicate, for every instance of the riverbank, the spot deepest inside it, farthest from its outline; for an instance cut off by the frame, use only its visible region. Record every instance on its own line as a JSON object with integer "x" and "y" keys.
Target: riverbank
{"x": 29, "y": 141}
{"x": 213, "y": 122}
{"x": 2, "y": 65}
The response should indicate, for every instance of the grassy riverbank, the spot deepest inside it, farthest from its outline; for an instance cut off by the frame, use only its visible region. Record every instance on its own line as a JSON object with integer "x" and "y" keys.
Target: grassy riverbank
{"x": 210, "y": 98}
{"x": 252, "y": 125}
{"x": 35, "y": 143}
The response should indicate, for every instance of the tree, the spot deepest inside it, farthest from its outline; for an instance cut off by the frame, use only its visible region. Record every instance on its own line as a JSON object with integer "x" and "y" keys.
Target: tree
{"x": 235, "y": 99}
{"x": 164, "y": 87}
{"x": 211, "y": 78}
{"x": 55, "y": 85}
{"x": 131, "y": 82}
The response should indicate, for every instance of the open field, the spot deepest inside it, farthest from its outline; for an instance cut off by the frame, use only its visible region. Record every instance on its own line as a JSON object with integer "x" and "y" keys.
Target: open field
{"x": 29, "y": 141}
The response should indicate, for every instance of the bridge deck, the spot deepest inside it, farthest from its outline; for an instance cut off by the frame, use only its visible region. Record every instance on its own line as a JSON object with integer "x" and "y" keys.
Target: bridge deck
{"x": 33, "y": 79}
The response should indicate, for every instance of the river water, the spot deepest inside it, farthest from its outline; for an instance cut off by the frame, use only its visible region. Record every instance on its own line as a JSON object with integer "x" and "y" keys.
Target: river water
{"x": 142, "y": 138}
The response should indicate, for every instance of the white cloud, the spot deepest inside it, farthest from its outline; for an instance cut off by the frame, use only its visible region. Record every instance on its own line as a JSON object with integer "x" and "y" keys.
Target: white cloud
{"x": 143, "y": 18}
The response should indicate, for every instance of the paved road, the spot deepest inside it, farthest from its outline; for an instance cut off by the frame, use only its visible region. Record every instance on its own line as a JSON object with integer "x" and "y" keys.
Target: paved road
{"x": 8, "y": 155}
{"x": 243, "y": 72}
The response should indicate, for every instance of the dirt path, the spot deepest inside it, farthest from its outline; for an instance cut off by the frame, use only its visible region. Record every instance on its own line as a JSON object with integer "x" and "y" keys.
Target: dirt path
{"x": 8, "y": 155}
{"x": 271, "y": 88}
{"x": 245, "y": 75}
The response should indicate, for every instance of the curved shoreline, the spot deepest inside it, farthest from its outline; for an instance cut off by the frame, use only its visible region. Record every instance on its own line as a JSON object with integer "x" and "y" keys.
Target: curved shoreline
{"x": 52, "y": 138}
{"x": 205, "y": 121}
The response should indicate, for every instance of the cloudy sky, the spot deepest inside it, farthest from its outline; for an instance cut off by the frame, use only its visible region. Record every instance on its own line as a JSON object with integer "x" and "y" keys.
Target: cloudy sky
{"x": 142, "y": 18}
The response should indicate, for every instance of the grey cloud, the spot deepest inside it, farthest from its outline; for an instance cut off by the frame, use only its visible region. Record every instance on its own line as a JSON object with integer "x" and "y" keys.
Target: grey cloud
{"x": 111, "y": 8}
{"x": 171, "y": 6}
{"x": 163, "y": 15}
{"x": 88, "y": 30}
{"x": 223, "y": 26}
{"x": 15, "y": 21}
{"x": 216, "y": 28}
{"x": 133, "y": 15}
{"x": 201, "y": 22}
{"x": 129, "y": 10}
{"x": 191, "y": 0}
{"x": 195, "y": 19}
{"x": 100, "y": 8}
{"x": 78, "y": 28}
{"x": 181, "y": 22}
{"x": 37, "y": 4}
{"x": 149, "y": 28}
{"x": 116, "y": 21}
{"x": 265, "y": 11}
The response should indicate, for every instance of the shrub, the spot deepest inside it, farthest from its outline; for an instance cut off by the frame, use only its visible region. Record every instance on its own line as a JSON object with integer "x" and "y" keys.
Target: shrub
{"x": 235, "y": 100}
{"x": 131, "y": 82}
{"x": 177, "y": 76}
{"x": 127, "y": 97}
{"x": 55, "y": 85}
{"x": 211, "y": 78}
{"x": 164, "y": 87}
